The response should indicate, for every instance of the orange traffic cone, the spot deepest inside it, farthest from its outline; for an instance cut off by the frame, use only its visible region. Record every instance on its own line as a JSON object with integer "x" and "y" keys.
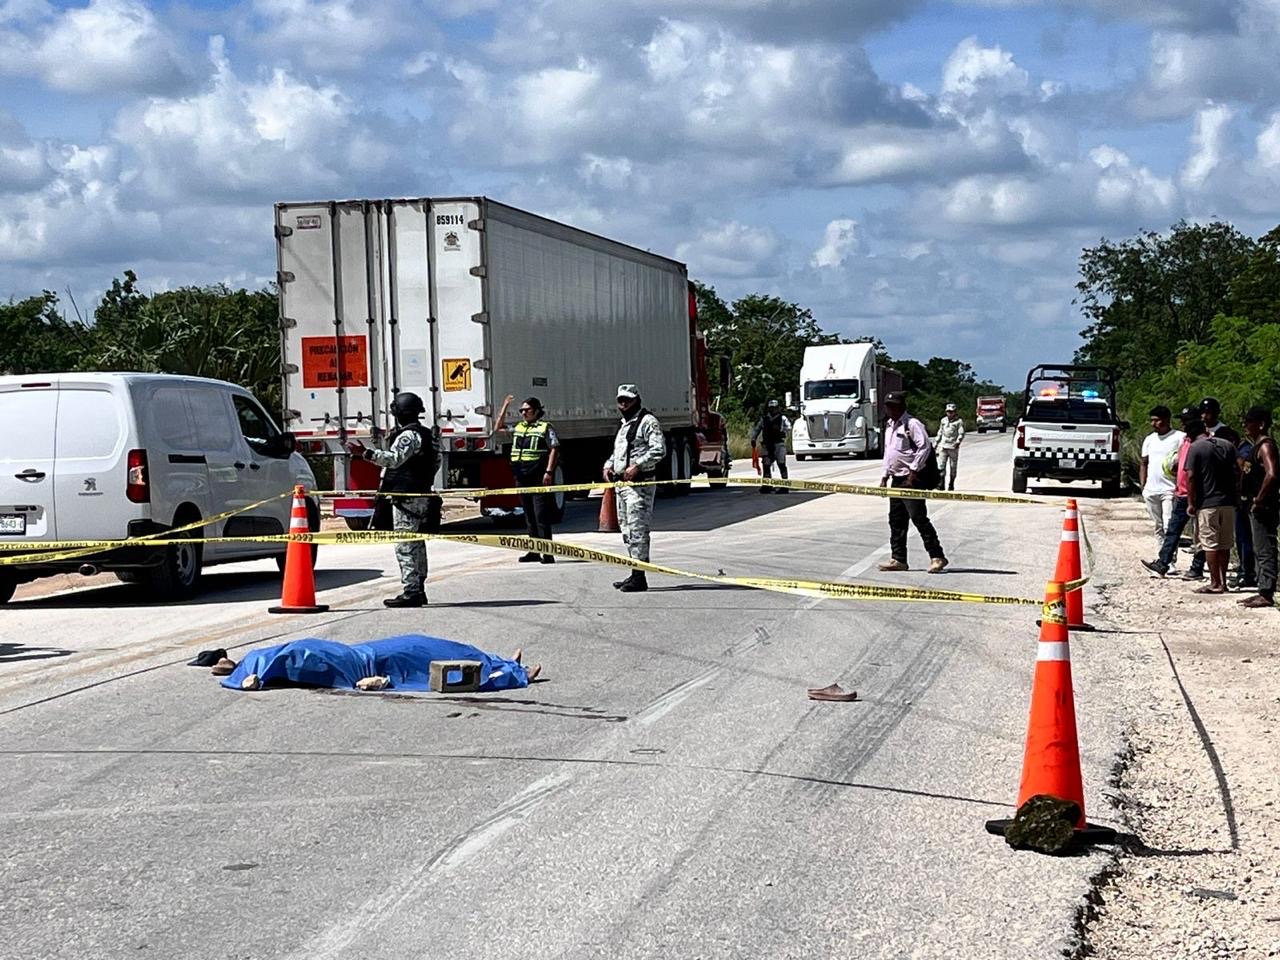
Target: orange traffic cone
{"x": 1069, "y": 568}
{"x": 298, "y": 594}
{"x": 609, "y": 512}
{"x": 1051, "y": 762}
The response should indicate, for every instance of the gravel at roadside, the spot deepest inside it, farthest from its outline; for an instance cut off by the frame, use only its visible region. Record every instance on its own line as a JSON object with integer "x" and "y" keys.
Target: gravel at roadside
{"x": 1200, "y": 788}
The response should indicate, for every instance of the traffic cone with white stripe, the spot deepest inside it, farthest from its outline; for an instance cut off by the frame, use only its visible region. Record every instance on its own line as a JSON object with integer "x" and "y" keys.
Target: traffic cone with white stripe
{"x": 1069, "y": 569}
{"x": 1051, "y": 761}
{"x": 609, "y": 512}
{"x": 298, "y": 594}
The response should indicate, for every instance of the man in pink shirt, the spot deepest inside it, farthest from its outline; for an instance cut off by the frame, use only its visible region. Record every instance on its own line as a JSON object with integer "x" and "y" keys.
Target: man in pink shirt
{"x": 906, "y": 450}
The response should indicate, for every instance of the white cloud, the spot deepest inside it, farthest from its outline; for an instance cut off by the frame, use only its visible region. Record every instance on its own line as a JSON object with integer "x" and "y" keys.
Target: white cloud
{"x": 973, "y": 69}
{"x": 1109, "y": 189}
{"x": 109, "y": 46}
{"x": 256, "y": 139}
{"x": 1186, "y": 67}
{"x": 839, "y": 242}
{"x": 336, "y": 35}
{"x": 1209, "y": 143}
{"x": 732, "y": 249}
{"x": 1268, "y": 144}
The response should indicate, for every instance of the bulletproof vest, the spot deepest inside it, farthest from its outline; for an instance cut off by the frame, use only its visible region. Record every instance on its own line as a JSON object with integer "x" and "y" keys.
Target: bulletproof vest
{"x": 529, "y": 450}
{"x": 633, "y": 428}
{"x": 772, "y": 431}
{"x": 417, "y": 473}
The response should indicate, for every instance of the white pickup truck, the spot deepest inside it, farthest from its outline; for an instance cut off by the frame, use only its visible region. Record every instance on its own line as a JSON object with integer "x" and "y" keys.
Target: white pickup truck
{"x": 1069, "y": 431}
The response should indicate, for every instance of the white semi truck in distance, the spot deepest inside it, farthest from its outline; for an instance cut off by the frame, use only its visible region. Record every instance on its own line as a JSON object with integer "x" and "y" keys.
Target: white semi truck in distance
{"x": 842, "y": 389}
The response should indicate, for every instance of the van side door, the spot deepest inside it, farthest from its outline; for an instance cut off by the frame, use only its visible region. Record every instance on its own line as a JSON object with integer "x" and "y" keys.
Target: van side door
{"x": 27, "y": 466}
{"x": 270, "y": 468}
{"x": 230, "y": 487}
{"x": 91, "y": 446}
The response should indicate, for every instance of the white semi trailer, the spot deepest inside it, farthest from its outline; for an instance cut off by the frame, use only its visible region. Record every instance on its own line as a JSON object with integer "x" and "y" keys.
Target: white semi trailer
{"x": 465, "y": 300}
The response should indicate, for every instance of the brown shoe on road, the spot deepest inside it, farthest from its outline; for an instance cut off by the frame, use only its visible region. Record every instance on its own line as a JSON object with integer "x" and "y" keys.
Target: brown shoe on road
{"x": 937, "y": 564}
{"x": 893, "y": 566}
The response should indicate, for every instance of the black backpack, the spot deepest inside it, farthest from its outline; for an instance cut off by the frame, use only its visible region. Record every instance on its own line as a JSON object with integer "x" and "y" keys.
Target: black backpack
{"x": 929, "y": 476}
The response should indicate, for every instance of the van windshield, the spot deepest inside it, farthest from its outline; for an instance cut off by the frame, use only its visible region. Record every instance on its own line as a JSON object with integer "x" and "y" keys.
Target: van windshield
{"x": 821, "y": 389}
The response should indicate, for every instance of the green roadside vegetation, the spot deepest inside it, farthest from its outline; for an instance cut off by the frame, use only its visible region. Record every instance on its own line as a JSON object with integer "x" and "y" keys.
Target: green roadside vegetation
{"x": 1184, "y": 315}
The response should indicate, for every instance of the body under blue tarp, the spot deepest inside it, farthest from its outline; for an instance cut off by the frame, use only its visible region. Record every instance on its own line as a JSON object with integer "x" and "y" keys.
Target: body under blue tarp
{"x": 405, "y": 659}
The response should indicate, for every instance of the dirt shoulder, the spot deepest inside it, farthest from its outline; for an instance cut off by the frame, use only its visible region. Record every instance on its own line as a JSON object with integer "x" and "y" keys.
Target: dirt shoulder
{"x": 1201, "y": 788}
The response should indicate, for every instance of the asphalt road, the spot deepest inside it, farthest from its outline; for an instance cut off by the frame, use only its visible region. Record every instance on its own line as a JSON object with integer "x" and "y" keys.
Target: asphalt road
{"x": 669, "y": 791}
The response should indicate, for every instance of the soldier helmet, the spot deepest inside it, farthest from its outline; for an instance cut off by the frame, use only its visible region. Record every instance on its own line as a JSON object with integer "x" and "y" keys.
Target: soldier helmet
{"x": 773, "y": 405}
{"x": 408, "y": 405}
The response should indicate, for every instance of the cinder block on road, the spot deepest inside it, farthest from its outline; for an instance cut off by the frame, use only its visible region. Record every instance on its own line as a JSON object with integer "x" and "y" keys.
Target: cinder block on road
{"x": 455, "y": 676}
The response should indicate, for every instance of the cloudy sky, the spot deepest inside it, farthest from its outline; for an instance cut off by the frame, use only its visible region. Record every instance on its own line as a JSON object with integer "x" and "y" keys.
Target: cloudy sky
{"x": 921, "y": 170}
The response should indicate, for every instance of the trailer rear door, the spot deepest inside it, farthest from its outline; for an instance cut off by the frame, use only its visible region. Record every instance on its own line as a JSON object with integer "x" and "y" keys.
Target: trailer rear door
{"x": 464, "y": 404}
{"x": 333, "y": 315}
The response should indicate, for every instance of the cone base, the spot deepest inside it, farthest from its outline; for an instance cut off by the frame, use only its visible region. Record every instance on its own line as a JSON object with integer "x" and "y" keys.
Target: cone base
{"x": 318, "y": 608}
{"x": 1079, "y": 627}
{"x": 1086, "y": 836}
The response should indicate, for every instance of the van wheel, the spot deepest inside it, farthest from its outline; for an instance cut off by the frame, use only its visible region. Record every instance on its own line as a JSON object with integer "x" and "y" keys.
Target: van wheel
{"x": 1019, "y": 481}
{"x": 7, "y": 586}
{"x": 129, "y": 576}
{"x": 178, "y": 576}
{"x": 357, "y": 523}
{"x": 313, "y": 524}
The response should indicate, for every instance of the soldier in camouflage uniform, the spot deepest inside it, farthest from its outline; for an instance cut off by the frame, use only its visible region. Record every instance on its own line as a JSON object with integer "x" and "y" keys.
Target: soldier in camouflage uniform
{"x": 409, "y": 466}
{"x": 637, "y": 450}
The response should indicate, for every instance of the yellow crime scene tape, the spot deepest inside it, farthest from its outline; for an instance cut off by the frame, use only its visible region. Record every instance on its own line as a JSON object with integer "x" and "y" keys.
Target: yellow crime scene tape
{"x": 74, "y": 549}
{"x": 833, "y": 590}
{"x": 815, "y": 486}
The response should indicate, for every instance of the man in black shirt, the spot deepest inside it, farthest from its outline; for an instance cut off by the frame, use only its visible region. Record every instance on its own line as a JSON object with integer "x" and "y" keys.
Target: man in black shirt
{"x": 1261, "y": 502}
{"x": 1211, "y": 501}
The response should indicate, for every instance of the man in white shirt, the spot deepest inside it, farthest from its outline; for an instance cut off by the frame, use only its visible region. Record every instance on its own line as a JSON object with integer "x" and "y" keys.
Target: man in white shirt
{"x": 950, "y": 436}
{"x": 1158, "y": 470}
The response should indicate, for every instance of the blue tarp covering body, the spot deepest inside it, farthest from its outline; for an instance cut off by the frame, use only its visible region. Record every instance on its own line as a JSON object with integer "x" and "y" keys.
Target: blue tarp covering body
{"x": 405, "y": 659}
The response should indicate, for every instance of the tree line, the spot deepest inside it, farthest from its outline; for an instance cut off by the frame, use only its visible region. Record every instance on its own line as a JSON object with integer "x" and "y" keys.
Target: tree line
{"x": 764, "y": 338}
{"x": 1184, "y": 315}
{"x": 211, "y": 331}
{"x": 215, "y": 331}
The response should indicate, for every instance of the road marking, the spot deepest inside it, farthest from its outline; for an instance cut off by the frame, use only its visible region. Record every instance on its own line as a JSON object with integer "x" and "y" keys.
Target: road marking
{"x": 378, "y": 909}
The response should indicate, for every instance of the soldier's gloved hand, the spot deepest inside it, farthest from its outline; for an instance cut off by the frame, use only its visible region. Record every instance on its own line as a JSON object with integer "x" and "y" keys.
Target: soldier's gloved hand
{"x": 631, "y": 472}
{"x": 608, "y": 474}
{"x": 356, "y": 448}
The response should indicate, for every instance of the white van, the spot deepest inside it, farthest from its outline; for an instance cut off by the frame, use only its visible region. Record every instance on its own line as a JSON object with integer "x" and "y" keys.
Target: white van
{"x": 105, "y": 456}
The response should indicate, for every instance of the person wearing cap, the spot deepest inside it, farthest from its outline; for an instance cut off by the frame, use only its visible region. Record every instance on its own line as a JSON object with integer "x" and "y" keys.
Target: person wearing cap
{"x": 906, "y": 450}
{"x": 409, "y": 469}
{"x": 773, "y": 427}
{"x": 1260, "y": 488}
{"x": 1178, "y": 516}
{"x": 1211, "y": 500}
{"x": 637, "y": 450}
{"x": 950, "y": 436}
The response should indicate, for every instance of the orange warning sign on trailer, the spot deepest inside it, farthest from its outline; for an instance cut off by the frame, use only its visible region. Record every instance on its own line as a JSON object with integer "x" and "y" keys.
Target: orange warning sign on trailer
{"x": 457, "y": 374}
{"x": 320, "y": 361}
